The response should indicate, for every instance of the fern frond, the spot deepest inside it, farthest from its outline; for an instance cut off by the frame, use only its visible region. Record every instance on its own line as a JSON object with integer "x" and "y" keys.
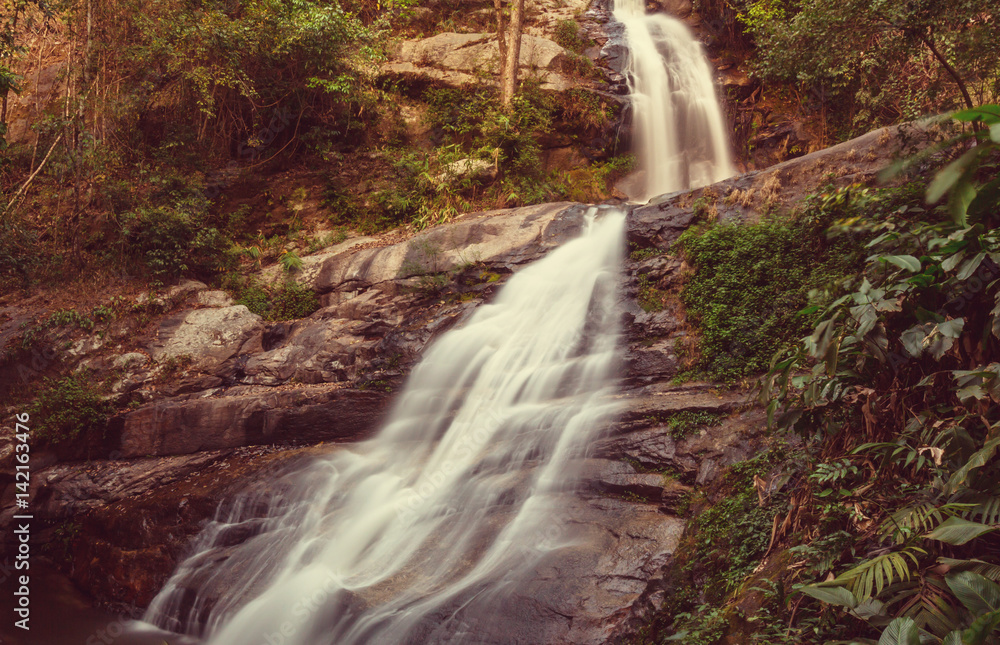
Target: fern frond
{"x": 869, "y": 578}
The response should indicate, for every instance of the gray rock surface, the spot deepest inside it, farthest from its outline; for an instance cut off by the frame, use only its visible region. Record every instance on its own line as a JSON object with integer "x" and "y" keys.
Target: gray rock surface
{"x": 459, "y": 59}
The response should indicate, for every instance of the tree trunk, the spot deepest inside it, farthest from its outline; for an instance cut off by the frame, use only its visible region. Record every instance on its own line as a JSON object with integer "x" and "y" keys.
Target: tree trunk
{"x": 929, "y": 41}
{"x": 508, "y": 80}
{"x": 501, "y": 41}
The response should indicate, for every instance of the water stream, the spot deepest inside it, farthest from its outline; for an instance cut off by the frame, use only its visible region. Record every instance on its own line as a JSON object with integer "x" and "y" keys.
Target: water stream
{"x": 420, "y": 532}
{"x": 680, "y": 133}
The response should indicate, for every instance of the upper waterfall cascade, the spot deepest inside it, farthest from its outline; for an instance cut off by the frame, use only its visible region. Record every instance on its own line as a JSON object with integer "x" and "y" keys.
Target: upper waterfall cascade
{"x": 679, "y": 129}
{"x": 417, "y": 534}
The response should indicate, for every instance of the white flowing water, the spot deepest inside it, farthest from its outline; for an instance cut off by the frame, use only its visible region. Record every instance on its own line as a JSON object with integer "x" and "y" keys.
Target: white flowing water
{"x": 679, "y": 131}
{"x": 416, "y": 534}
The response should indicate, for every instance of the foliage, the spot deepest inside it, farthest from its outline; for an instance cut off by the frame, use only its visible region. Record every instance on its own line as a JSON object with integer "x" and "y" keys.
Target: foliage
{"x": 568, "y": 36}
{"x": 173, "y": 240}
{"x": 68, "y": 408}
{"x": 752, "y": 280}
{"x": 477, "y": 119}
{"x": 288, "y": 300}
{"x": 902, "y": 372}
{"x": 686, "y": 422}
{"x": 229, "y": 59}
{"x": 903, "y": 60}
{"x": 734, "y": 533}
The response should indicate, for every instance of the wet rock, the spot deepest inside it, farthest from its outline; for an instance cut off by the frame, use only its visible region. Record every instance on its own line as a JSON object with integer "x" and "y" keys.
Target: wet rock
{"x": 742, "y": 197}
{"x": 505, "y": 238}
{"x": 249, "y": 417}
{"x": 673, "y": 497}
{"x": 621, "y": 478}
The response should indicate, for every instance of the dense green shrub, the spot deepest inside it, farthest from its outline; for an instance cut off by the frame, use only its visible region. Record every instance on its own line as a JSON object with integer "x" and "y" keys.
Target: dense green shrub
{"x": 568, "y": 36}
{"x": 476, "y": 120}
{"x": 287, "y": 301}
{"x": 897, "y": 388}
{"x": 173, "y": 241}
{"x": 68, "y": 408}
{"x": 751, "y": 282}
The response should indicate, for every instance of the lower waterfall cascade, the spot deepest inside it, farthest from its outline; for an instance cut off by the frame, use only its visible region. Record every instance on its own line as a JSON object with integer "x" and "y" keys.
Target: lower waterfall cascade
{"x": 416, "y": 534}
{"x": 680, "y": 132}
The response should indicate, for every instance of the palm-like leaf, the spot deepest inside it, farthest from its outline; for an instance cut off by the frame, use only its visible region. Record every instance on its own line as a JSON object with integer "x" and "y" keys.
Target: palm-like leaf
{"x": 979, "y": 594}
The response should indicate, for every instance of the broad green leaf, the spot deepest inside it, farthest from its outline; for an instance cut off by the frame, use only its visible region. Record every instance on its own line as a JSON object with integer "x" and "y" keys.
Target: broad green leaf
{"x": 979, "y": 459}
{"x": 979, "y": 595}
{"x": 971, "y": 392}
{"x": 954, "y": 638}
{"x": 995, "y": 132}
{"x": 913, "y": 338}
{"x": 907, "y": 262}
{"x": 952, "y": 261}
{"x": 871, "y": 608}
{"x": 989, "y": 114}
{"x": 986, "y": 199}
{"x": 952, "y": 328}
{"x": 981, "y": 628}
{"x": 831, "y": 595}
{"x": 947, "y": 177}
{"x": 970, "y": 266}
{"x": 902, "y": 631}
{"x": 962, "y": 197}
{"x": 958, "y": 531}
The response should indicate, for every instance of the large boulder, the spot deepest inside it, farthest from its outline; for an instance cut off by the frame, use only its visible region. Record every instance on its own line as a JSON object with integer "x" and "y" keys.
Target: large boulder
{"x": 460, "y": 59}
{"x": 205, "y": 337}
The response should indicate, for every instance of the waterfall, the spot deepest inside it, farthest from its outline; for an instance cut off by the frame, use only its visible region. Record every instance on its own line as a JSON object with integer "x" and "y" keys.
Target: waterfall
{"x": 679, "y": 129}
{"x": 416, "y": 535}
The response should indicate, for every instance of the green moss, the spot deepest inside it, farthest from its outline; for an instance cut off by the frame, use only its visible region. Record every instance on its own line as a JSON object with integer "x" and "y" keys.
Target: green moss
{"x": 649, "y": 297}
{"x": 685, "y": 423}
{"x": 752, "y": 283}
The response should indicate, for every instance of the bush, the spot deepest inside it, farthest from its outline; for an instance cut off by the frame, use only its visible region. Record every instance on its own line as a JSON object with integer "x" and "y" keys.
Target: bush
{"x": 752, "y": 282}
{"x": 68, "y": 408}
{"x": 568, "y": 36}
{"x": 175, "y": 240}
{"x": 289, "y": 301}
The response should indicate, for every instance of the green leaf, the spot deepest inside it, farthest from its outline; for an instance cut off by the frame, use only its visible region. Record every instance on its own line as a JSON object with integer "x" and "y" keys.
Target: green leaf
{"x": 988, "y": 114}
{"x": 979, "y": 459}
{"x": 952, "y": 261}
{"x": 907, "y": 262}
{"x": 954, "y": 638}
{"x": 986, "y": 198}
{"x": 913, "y": 338}
{"x": 947, "y": 177}
{"x": 957, "y": 531}
{"x": 979, "y": 595}
{"x": 831, "y": 595}
{"x": 902, "y": 631}
{"x": 970, "y": 266}
{"x": 962, "y": 197}
{"x": 952, "y": 328}
{"x": 981, "y": 628}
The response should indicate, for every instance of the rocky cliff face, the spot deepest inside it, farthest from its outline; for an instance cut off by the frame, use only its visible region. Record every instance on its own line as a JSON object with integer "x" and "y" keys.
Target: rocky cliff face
{"x": 218, "y": 400}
